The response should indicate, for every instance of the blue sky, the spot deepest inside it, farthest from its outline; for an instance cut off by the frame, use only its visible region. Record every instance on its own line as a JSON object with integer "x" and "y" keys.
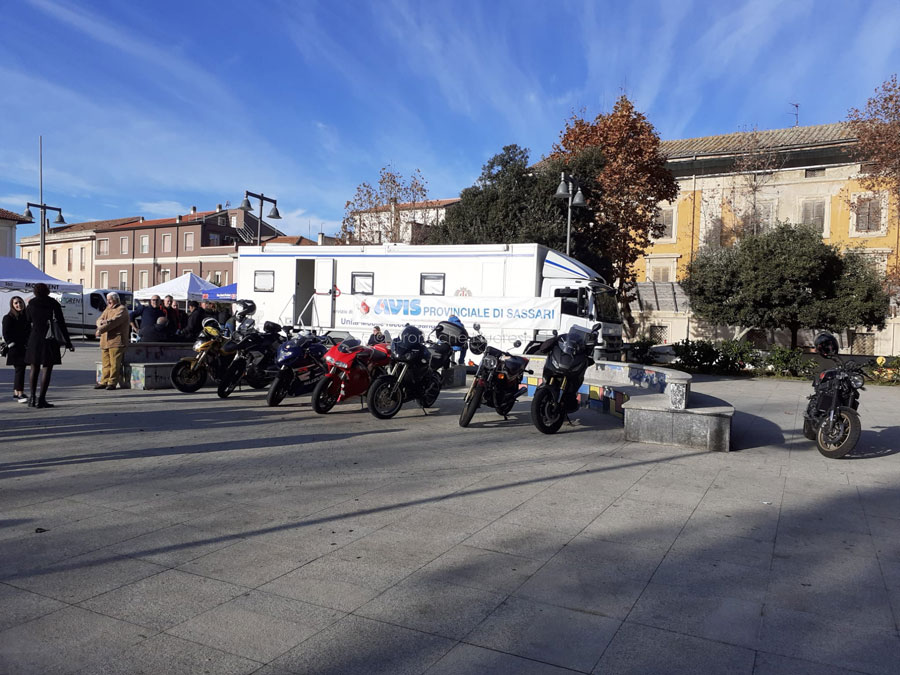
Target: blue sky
{"x": 147, "y": 108}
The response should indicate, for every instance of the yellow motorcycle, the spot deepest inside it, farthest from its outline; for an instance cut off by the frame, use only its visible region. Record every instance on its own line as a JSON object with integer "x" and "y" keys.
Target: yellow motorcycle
{"x": 214, "y": 352}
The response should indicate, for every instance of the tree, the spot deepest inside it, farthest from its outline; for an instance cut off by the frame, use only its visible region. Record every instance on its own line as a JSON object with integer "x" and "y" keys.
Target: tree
{"x": 372, "y": 216}
{"x": 632, "y": 179}
{"x": 877, "y": 128}
{"x": 510, "y": 202}
{"x": 786, "y": 278}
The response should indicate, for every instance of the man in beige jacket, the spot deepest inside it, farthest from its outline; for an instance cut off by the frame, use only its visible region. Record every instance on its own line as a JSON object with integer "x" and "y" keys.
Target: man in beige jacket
{"x": 114, "y": 332}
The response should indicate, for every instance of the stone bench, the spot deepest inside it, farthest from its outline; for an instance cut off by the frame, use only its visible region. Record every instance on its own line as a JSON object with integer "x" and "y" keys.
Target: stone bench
{"x": 656, "y": 404}
{"x": 143, "y": 375}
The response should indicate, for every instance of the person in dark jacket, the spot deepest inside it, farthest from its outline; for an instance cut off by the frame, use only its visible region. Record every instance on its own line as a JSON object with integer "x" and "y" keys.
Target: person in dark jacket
{"x": 194, "y": 322}
{"x": 145, "y": 316}
{"x": 15, "y": 333}
{"x": 41, "y": 350}
{"x": 158, "y": 332}
{"x": 173, "y": 314}
{"x": 377, "y": 337}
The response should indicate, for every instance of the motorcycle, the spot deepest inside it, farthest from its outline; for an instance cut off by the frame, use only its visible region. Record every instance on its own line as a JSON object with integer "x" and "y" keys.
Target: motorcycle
{"x": 254, "y": 361}
{"x": 215, "y": 350}
{"x": 831, "y": 418}
{"x": 352, "y": 368}
{"x": 415, "y": 372}
{"x": 497, "y": 380}
{"x": 300, "y": 362}
{"x": 568, "y": 357}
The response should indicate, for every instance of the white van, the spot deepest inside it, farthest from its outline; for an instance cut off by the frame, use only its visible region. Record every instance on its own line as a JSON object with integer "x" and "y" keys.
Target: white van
{"x": 81, "y": 310}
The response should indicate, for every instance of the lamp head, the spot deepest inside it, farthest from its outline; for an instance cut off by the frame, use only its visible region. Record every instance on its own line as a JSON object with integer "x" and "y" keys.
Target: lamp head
{"x": 562, "y": 192}
{"x": 27, "y": 214}
{"x": 245, "y": 205}
{"x": 59, "y": 219}
{"x": 578, "y": 200}
{"x": 273, "y": 214}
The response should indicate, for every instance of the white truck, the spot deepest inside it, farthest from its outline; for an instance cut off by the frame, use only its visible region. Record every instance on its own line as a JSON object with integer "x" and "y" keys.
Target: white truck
{"x": 81, "y": 310}
{"x": 515, "y": 292}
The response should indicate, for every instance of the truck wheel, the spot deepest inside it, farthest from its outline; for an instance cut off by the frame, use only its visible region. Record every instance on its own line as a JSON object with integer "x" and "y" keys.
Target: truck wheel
{"x": 325, "y": 395}
{"x": 279, "y": 387}
{"x": 384, "y": 398}
{"x": 473, "y": 400}
{"x": 185, "y": 378}
{"x": 842, "y": 437}
{"x": 546, "y": 413}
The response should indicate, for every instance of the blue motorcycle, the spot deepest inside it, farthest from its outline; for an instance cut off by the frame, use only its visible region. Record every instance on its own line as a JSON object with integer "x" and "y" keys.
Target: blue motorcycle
{"x": 301, "y": 364}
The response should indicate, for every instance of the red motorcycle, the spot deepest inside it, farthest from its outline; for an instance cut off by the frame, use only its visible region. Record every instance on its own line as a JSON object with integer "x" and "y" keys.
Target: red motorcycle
{"x": 351, "y": 368}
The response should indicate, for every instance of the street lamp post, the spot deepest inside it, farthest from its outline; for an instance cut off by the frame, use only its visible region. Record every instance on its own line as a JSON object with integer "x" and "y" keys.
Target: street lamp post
{"x": 569, "y": 188}
{"x": 59, "y": 221}
{"x": 246, "y": 208}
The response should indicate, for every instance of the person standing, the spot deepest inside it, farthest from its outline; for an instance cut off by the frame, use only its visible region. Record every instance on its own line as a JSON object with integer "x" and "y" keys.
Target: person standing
{"x": 194, "y": 322}
{"x": 173, "y": 314}
{"x": 146, "y": 315}
{"x": 43, "y": 351}
{"x": 377, "y": 337}
{"x": 114, "y": 332}
{"x": 15, "y": 333}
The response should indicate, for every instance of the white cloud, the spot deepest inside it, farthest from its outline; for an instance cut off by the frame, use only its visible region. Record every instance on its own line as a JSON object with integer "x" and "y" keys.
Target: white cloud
{"x": 306, "y": 224}
{"x": 163, "y": 209}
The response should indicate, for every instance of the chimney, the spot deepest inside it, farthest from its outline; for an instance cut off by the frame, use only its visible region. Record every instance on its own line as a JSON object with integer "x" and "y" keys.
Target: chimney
{"x": 177, "y": 219}
{"x": 320, "y": 239}
{"x": 218, "y": 207}
{"x": 142, "y": 219}
{"x": 193, "y": 209}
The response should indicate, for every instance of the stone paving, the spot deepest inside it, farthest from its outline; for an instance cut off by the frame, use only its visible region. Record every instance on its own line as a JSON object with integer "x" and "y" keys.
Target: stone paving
{"x": 158, "y": 532}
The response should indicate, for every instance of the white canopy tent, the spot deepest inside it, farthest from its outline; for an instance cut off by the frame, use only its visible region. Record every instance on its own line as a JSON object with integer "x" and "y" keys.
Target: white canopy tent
{"x": 186, "y": 287}
{"x": 20, "y": 275}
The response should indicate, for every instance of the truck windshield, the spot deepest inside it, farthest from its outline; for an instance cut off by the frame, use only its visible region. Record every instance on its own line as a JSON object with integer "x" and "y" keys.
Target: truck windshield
{"x": 606, "y": 309}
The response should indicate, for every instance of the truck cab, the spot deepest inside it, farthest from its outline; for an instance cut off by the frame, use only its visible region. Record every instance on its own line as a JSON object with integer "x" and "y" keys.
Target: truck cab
{"x": 590, "y": 304}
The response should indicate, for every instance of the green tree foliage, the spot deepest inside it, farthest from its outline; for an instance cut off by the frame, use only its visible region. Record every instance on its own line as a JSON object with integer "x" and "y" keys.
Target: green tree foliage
{"x": 786, "y": 278}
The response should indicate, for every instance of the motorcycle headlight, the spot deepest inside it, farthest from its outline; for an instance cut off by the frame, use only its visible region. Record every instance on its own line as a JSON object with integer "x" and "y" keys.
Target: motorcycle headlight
{"x": 341, "y": 364}
{"x": 489, "y": 361}
{"x": 857, "y": 381}
{"x": 329, "y": 360}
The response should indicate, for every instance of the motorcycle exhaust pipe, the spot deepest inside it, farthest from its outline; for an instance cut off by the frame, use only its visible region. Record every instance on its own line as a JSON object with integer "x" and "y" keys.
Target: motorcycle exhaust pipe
{"x": 523, "y": 390}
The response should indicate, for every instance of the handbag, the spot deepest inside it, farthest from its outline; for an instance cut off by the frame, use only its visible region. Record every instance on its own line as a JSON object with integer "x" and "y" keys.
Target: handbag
{"x": 54, "y": 332}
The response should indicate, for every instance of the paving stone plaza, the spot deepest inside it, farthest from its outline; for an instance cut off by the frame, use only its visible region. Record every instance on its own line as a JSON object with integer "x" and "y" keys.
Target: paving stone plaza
{"x": 158, "y": 532}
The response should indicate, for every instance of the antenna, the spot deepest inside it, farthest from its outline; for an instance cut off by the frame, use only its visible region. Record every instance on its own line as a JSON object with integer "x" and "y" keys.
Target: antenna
{"x": 796, "y": 114}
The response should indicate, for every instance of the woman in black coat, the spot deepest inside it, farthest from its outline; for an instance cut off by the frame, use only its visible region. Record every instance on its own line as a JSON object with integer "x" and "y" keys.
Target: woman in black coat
{"x": 15, "y": 333}
{"x": 41, "y": 350}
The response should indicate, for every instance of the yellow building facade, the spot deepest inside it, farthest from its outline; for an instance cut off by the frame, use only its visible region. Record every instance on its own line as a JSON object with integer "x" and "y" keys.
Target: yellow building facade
{"x": 736, "y": 184}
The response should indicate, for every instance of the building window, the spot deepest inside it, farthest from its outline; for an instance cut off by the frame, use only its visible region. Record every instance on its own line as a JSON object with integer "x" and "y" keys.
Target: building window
{"x": 144, "y": 279}
{"x": 362, "y": 283}
{"x": 123, "y": 245}
{"x": 867, "y": 214}
{"x": 264, "y": 281}
{"x": 187, "y": 271}
{"x": 217, "y": 278}
{"x": 103, "y": 247}
{"x": 81, "y": 281}
{"x": 82, "y": 254}
{"x": 29, "y": 256}
{"x": 145, "y": 243}
{"x": 167, "y": 243}
{"x": 53, "y": 256}
{"x": 104, "y": 279}
{"x": 659, "y": 334}
{"x": 213, "y": 239}
{"x": 188, "y": 241}
{"x": 815, "y": 173}
{"x": 812, "y": 212}
{"x": 431, "y": 284}
{"x": 659, "y": 274}
{"x": 862, "y": 344}
{"x": 69, "y": 255}
{"x": 234, "y": 221}
{"x": 666, "y": 219}
{"x": 165, "y": 275}
{"x": 765, "y": 210}
{"x": 123, "y": 280}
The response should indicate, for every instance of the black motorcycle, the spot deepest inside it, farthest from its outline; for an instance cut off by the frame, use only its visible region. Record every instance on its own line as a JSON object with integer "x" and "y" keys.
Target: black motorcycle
{"x": 301, "y": 364}
{"x": 415, "y": 372}
{"x": 568, "y": 356}
{"x": 497, "y": 382}
{"x": 831, "y": 418}
{"x": 254, "y": 361}
{"x": 214, "y": 351}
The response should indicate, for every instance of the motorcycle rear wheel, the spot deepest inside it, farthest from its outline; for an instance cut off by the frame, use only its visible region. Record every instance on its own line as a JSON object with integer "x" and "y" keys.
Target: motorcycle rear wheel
{"x": 325, "y": 395}
{"x": 187, "y": 379}
{"x": 384, "y": 398}
{"x": 279, "y": 388}
{"x": 547, "y": 414}
{"x": 843, "y": 437}
{"x": 432, "y": 390}
{"x": 473, "y": 400}
{"x": 230, "y": 379}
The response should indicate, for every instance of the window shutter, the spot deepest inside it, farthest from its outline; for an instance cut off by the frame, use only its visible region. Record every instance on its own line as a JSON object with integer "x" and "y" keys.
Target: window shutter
{"x": 813, "y": 213}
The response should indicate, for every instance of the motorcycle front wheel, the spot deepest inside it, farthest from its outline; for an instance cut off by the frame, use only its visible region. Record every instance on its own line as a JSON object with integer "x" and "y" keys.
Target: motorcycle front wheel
{"x": 843, "y": 436}
{"x": 547, "y": 414}
{"x": 809, "y": 430}
{"x": 325, "y": 395}
{"x": 473, "y": 400}
{"x": 257, "y": 379}
{"x": 187, "y": 379}
{"x": 230, "y": 378}
{"x": 279, "y": 387}
{"x": 432, "y": 390}
{"x": 384, "y": 398}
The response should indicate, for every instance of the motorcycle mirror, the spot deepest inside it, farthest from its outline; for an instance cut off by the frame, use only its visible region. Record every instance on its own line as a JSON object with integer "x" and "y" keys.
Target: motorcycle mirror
{"x": 517, "y": 343}
{"x": 477, "y": 327}
{"x": 555, "y": 332}
{"x": 597, "y": 327}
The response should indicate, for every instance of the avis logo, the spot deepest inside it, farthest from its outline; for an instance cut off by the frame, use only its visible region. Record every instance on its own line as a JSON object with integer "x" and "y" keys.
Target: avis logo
{"x": 396, "y": 306}
{"x": 363, "y": 307}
